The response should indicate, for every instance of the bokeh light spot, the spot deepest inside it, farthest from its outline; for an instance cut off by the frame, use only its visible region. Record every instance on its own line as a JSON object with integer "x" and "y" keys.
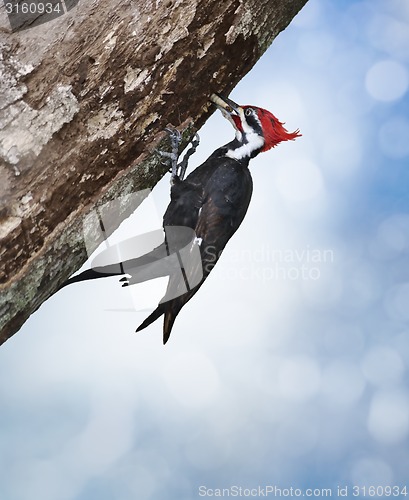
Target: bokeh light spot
{"x": 396, "y": 302}
{"x": 390, "y": 35}
{"x": 394, "y": 137}
{"x": 371, "y": 471}
{"x": 383, "y": 365}
{"x": 388, "y": 419}
{"x": 387, "y": 80}
{"x": 392, "y": 238}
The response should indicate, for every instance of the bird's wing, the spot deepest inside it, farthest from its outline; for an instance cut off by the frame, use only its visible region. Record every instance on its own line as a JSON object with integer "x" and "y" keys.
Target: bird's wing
{"x": 219, "y": 216}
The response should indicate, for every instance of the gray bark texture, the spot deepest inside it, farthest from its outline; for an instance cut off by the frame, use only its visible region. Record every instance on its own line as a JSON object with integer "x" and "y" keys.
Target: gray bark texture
{"x": 84, "y": 100}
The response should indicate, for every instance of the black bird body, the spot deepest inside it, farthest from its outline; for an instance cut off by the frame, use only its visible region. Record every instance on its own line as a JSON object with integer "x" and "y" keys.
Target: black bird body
{"x": 217, "y": 192}
{"x": 212, "y": 201}
{"x": 222, "y": 190}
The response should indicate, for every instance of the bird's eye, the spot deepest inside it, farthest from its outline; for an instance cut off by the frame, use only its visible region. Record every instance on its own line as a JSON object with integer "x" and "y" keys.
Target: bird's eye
{"x": 249, "y": 111}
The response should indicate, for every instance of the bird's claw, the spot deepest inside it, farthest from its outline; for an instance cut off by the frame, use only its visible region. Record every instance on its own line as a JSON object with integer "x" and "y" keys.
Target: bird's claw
{"x": 124, "y": 281}
{"x": 175, "y": 136}
{"x": 178, "y": 169}
{"x": 182, "y": 166}
{"x": 173, "y": 156}
{"x": 196, "y": 140}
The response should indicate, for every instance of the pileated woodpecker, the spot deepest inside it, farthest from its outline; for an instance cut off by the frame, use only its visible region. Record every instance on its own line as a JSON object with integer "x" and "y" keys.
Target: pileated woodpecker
{"x": 212, "y": 200}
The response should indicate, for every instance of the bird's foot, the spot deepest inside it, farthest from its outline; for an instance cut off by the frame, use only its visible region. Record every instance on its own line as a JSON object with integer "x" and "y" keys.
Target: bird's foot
{"x": 178, "y": 169}
{"x": 182, "y": 166}
{"x": 173, "y": 156}
{"x": 124, "y": 281}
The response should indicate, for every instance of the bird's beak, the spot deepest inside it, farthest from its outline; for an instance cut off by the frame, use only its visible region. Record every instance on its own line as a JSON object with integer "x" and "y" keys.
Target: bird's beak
{"x": 225, "y": 104}
{"x": 230, "y": 110}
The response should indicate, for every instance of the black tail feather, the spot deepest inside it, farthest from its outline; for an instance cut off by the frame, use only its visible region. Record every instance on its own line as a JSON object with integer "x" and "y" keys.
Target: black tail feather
{"x": 152, "y": 317}
{"x": 170, "y": 317}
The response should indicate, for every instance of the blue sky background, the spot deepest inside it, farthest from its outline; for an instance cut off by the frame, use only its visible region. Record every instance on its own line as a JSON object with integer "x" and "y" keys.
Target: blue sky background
{"x": 290, "y": 366}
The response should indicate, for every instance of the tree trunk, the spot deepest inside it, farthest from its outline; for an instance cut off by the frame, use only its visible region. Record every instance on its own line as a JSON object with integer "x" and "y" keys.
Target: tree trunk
{"x": 84, "y": 100}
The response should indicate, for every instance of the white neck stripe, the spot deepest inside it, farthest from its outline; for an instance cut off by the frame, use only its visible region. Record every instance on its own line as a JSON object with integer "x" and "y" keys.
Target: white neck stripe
{"x": 254, "y": 142}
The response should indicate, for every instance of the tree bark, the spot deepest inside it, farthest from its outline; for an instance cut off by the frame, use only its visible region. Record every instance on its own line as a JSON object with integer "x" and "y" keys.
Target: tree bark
{"x": 84, "y": 100}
